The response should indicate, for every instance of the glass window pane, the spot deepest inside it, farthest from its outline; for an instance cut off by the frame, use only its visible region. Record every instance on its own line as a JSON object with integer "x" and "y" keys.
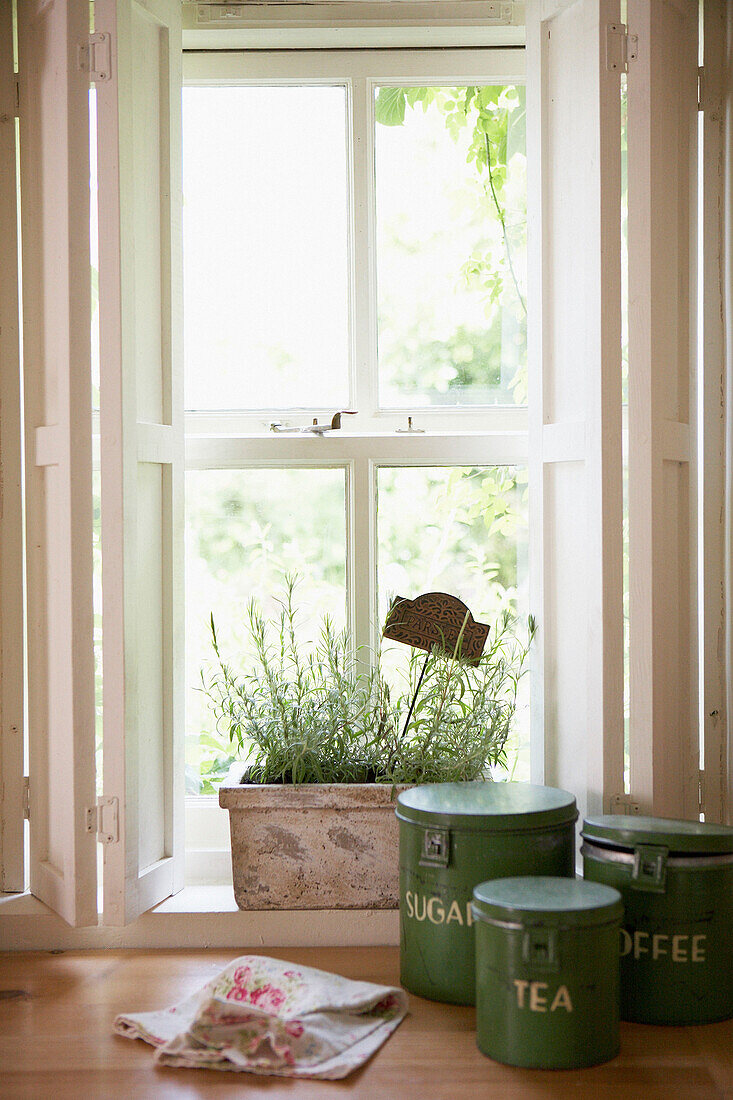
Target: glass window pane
{"x": 245, "y": 531}
{"x": 462, "y": 530}
{"x": 451, "y": 245}
{"x": 265, "y": 247}
{"x": 457, "y": 529}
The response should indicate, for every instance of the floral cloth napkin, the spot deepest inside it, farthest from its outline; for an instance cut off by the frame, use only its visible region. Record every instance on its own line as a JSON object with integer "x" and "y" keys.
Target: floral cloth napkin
{"x": 262, "y": 1015}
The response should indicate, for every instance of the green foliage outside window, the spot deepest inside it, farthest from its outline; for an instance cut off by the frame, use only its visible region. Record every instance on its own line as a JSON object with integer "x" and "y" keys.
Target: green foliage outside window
{"x": 489, "y": 122}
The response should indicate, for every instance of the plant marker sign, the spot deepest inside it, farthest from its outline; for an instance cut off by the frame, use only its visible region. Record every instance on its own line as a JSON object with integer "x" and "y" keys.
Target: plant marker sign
{"x": 438, "y": 622}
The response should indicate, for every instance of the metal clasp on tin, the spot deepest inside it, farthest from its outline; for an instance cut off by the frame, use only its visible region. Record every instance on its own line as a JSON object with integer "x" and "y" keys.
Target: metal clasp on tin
{"x": 435, "y": 848}
{"x": 650, "y": 868}
{"x": 539, "y": 948}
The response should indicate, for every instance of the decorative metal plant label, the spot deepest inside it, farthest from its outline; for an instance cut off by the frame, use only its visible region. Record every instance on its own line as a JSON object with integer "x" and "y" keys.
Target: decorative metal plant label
{"x": 436, "y": 620}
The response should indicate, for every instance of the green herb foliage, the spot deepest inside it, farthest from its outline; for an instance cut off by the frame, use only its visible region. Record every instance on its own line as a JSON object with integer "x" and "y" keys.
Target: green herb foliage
{"x": 318, "y": 713}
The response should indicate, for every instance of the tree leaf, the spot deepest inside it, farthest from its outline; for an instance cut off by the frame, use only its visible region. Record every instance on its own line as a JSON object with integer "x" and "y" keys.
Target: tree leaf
{"x": 390, "y": 106}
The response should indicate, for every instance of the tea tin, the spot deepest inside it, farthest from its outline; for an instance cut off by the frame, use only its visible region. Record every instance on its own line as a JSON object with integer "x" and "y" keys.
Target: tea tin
{"x": 547, "y": 971}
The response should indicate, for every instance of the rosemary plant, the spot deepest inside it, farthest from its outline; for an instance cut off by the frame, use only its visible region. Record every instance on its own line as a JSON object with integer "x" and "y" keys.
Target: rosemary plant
{"x": 463, "y": 714}
{"x": 317, "y": 713}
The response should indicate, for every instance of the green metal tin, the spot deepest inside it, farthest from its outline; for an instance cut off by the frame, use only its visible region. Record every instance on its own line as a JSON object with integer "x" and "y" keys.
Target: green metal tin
{"x": 676, "y": 879}
{"x": 452, "y": 836}
{"x": 547, "y": 972}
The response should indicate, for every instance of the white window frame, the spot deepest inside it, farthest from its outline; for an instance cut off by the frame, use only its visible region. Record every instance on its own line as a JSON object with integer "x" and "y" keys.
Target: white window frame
{"x": 375, "y": 437}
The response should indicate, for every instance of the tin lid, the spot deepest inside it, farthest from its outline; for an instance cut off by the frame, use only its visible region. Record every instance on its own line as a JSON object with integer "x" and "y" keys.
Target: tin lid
{"x": 536, "y": 899}
{"x": 486, "y": 806}
{"x": 684, "y": 837}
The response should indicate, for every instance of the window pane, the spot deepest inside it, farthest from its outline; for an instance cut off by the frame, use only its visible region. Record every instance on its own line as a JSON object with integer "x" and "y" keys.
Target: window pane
{"x": 245, "y": 530}
{"x": 461, "y": 530}
{"x": 451, "y": 245}
{"x": 265, "y": 247}
{"x": 457, "y": 529}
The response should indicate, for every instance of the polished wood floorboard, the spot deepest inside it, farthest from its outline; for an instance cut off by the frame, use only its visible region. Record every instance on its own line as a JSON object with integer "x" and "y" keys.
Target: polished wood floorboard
{"x": 56, "y": 1041}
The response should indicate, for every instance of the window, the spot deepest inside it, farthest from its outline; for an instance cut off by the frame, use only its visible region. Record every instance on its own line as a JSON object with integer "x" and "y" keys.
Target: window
{"x": 349, "y": 245}
{"x": 373, "y": 472}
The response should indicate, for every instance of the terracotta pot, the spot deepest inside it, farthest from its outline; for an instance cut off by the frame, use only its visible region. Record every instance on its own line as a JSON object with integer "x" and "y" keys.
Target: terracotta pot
{"x": 314, "y": 845}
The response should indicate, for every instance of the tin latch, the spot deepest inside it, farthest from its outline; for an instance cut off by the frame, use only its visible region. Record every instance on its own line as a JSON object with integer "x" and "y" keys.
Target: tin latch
{"x": 435, "y": 848}
{"x": 650, "y": 868}
{"x": 539, "y": 948}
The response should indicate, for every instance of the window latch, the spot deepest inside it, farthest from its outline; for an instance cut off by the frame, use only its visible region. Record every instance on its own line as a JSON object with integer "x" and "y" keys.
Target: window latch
{"x": 410, "y": 429}
{"x": 315, "y": 428}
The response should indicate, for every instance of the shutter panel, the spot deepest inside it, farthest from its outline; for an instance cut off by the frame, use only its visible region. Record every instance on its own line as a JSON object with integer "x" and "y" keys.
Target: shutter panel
{"x": 141, "y": 449}
{"x": 714, "y": 505}
{"x": 662, "y": 91}
{"x": 575, "y": 399}
{"x": 11, "y": 544}
{"x": 54, "y": 132}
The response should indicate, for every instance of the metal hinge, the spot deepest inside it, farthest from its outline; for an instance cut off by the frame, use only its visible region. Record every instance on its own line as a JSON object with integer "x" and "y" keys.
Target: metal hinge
{"x": 103, "y": 819}
{"x": 701, "y": 792}
{"x": 95, "y": 56}
{"x": 701, "y": 89}
{"x": 17, "y": 97}
{"x": 623, "y": 804}
{"x": 621, "y": 47}
{"x": 26, "y": 798}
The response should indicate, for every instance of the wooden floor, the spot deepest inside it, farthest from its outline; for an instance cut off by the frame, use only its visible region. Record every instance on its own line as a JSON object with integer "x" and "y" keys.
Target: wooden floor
{"x": 56, "y": 1013}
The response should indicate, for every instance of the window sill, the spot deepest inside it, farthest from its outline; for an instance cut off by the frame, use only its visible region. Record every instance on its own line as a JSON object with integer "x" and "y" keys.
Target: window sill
{"x": 197, "y": 916}
{"x": 199, "y": 899}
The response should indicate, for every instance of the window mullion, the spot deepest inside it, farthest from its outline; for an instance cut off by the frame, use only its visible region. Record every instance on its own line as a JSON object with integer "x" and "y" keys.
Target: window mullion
{"x": 363, "y": 278}
{"x": 361, "y": 552}
{"x": 361, "y": 544}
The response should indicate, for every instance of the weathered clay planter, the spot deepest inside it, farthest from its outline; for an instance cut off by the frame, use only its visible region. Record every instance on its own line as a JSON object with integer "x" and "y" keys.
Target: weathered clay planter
{"x": 313, "y": 846}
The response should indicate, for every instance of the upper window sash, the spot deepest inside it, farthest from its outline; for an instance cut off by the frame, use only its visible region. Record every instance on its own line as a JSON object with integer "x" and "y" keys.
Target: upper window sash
{"x": 360, "y": 72}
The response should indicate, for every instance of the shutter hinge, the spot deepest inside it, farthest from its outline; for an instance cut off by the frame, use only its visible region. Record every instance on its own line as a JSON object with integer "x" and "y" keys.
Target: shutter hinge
{"x": 103, "y": 819}
{"x": 623, "y": 804}
{"x": 95, "y": 56}
{"x": 701, "y": 792}
{"x": 26, "y": 798}
{"x": 621, "y": 47}
{"x": 17, "y": 97}
{"x": 701, "y": 89}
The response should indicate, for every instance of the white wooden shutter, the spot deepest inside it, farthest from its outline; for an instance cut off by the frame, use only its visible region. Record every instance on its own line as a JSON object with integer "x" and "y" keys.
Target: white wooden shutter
{"x": 717, "y": 801}
{"x": 11, "y": 544}
{"x": 141, "y": 449}
{"x": 662, "y": 163}
{"x": 54, "y": 139}
{"x": 573, "y": 110}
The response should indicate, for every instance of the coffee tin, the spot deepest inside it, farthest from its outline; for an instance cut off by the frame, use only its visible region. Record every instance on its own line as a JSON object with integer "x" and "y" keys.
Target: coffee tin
{"x": 676, "y": 878}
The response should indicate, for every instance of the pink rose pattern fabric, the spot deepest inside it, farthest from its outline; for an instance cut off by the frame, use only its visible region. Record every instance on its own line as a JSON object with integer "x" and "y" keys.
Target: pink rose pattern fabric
{"x": 261, "y": 1015}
